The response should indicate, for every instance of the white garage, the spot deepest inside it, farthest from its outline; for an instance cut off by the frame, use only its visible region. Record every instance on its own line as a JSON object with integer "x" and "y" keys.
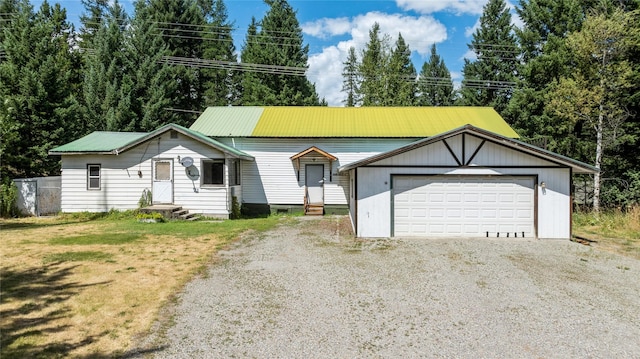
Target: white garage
{"x": 467, "y": 182}
{"x": 463, "y": 206}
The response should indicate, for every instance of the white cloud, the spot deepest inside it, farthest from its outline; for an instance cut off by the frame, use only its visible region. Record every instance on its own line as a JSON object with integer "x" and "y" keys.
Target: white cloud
{"x": 470, "y": 55}
{"x": 468, "y": 31}
{"x": 473, "y": 7}
{"x": 325, "y": 68}
{"x": 326, "y": 27}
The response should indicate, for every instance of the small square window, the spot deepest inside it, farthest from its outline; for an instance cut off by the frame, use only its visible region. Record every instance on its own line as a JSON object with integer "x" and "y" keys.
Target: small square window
{"x": 93, "y": 177}
{"x": 212, "y": 172}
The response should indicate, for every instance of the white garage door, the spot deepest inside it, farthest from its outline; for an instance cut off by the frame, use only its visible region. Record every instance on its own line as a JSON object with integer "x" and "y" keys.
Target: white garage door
{"x": 463, "y": 206}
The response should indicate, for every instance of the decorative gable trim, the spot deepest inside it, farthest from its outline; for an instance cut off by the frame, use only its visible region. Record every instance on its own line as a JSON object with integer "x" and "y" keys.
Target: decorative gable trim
{"x": 484, "y": 135}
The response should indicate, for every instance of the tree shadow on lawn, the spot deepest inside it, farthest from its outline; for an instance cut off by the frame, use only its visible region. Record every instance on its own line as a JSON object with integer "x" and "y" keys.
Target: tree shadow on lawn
{"x": 8, "y": 225}
{"x": 37, "y": 289}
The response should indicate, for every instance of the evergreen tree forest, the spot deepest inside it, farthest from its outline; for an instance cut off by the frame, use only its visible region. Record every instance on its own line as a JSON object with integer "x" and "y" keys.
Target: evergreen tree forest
{"x": 567, "y": 79}
{"x": 164, "y": 63}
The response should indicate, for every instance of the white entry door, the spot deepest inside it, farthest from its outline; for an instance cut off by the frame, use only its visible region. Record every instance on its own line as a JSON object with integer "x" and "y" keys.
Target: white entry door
{"x": 162, "y": 191}
{"x": 315, "y": 183}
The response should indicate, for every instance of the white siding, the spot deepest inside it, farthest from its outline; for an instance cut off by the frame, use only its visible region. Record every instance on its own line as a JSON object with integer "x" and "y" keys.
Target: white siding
{"x": 272, "y": 178}
{"x": 121, "y": 187}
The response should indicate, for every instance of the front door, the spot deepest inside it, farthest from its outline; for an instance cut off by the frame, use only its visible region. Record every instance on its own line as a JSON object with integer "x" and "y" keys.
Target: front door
{"x": 315, "y": 183}
{"x": 162, "y": 191}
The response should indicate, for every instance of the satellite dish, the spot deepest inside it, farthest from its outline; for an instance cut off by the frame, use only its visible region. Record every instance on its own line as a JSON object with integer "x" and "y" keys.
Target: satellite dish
{"x": 187, "y": 162}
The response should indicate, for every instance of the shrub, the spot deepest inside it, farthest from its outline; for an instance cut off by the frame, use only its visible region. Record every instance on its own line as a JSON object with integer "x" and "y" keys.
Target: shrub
{"x": 236, "y": 211}
{"x": 145, "y": 199}
{"x": 8, "y": 199}
{"x": 150, "y": 217}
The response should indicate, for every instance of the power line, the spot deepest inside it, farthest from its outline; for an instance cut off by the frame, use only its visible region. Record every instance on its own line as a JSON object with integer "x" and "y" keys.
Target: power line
{"x": 234, "y": 66}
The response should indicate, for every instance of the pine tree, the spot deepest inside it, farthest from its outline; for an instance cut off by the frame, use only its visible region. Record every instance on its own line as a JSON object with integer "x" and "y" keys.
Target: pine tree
{"x": 375, "y": 60}
{"x": 435, "y": 86}
{"x": 222, "y": 86}
{"x": 153, "y": 84}
{"x": 546, "y": 59}
{"x": 488, "y": 81}
{"x": 92, "y": 19}
{"x": 181, "y": 24}
{"x": 39, "y": 109}
{"x": 105, "y": 70}
{"x": 351, "y": 79}
{"x": 602, "y": 73}
{"x": 277, "y": 40}
{"x": 401, "y": 88}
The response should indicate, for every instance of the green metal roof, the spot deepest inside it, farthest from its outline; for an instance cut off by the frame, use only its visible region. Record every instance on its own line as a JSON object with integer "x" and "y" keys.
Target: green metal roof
{"x": 102, "y": 142}
{"x": 228, "y": 121}
{"x": 383, "y": 122}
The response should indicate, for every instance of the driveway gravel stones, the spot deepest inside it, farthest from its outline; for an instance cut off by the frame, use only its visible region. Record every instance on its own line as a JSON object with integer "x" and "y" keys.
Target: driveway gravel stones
{"x": 305, "y": 290}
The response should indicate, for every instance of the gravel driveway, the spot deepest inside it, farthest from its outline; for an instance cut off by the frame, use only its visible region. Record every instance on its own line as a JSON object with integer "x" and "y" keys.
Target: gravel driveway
{"x": 304, "y": 290}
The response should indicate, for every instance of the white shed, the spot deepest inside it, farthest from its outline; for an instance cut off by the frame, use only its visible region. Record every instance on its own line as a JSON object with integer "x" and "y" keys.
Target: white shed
{"x": 467, "y": 182}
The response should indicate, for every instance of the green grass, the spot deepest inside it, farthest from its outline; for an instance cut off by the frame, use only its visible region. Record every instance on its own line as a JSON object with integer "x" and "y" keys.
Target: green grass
{"x": 227, "y": 229}
{"x": 616, "y": 231}
{"x": 77, "y": 256}
{"x": 618, "y": 224}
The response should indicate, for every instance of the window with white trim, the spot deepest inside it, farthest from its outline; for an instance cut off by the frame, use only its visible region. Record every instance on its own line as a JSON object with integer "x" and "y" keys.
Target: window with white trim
{"x": 212, "y": 172}
{"x": 93, "y": 177}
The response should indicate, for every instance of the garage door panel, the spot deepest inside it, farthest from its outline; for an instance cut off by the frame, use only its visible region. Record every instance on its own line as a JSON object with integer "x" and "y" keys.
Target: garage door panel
{"x": 463, "y": 206}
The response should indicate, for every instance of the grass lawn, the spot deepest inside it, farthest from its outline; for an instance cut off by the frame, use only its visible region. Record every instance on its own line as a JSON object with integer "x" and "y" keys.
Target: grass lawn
{"x": 614, "y": 231}
{"x": 90, "y": 286}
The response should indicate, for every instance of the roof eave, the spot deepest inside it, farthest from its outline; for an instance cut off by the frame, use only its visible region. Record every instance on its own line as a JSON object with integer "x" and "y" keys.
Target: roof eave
{"x": 188, "y": 133}
{"x": 76, "y": 153}
{"x": 577, "y": 166}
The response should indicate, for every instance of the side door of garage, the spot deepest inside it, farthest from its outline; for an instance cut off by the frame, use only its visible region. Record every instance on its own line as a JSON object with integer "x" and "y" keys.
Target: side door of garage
{"x": 463, "y": 206}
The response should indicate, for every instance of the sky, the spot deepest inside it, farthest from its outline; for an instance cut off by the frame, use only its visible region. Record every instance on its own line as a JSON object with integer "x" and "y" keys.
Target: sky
{"x": 331, "y": 27}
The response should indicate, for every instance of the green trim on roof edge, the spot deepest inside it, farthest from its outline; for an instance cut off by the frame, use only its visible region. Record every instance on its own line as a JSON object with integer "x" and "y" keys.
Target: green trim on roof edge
{"x": 114, "y": 143}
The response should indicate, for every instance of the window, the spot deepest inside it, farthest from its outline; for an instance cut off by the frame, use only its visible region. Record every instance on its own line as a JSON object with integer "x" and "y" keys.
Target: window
{"x": 234, "y": 172}
{"x": 93, "y": 177}
{"x": 212, "y": 172}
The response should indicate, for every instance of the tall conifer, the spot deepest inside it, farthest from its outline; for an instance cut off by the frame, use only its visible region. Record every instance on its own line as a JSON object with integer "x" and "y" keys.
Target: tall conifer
{"x": 351, "y": 79}
{"x": 435, "y": 86}
{"x": 39, "y": 109}
{"x": 489, "y": 80}
{"x": 277, "y": 40}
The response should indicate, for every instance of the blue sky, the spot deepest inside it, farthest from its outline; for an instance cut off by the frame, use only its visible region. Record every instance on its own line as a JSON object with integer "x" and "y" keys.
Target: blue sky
{"x": 330, "y": 27}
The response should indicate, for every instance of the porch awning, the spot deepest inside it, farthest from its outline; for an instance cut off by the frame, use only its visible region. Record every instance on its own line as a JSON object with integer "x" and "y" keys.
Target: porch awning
{"x": 314, "y": 151}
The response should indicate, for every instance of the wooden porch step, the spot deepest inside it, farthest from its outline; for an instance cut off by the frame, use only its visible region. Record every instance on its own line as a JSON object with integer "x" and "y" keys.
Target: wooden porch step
{"x": 314, "y": 210}
{"x": 170, "y": 211}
